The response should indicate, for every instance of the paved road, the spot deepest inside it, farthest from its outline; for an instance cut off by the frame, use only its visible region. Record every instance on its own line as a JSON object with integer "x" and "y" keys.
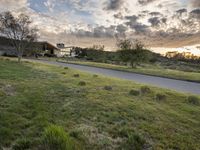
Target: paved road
{"x": 177, "y": 85}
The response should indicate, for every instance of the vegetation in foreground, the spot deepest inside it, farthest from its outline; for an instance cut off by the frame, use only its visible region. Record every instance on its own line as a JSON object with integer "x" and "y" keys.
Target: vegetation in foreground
{"x": 50, "y": 107}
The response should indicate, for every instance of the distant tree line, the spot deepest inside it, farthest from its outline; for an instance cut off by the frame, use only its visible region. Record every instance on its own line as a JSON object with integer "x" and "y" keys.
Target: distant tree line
{"x": 128, "y": 53}
{"x": 182, "y": 56}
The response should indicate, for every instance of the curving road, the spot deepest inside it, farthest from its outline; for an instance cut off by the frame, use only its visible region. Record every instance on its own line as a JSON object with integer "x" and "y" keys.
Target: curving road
{"x": 177, "y": 85}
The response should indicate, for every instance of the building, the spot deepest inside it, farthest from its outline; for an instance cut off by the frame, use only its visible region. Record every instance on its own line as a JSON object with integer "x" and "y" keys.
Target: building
{"x": 43, "y": 48}
{"x": 64, "y": 51}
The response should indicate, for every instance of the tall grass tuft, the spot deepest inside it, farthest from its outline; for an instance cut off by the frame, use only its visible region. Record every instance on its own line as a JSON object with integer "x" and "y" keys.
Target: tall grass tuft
{"x": 194, "y": 100}
{"x": 55, "y": 138}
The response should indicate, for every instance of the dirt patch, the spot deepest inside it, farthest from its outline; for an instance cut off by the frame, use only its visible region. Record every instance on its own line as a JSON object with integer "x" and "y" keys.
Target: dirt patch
{"x": 7, "y": 89}
{"x": 94, "y": 137}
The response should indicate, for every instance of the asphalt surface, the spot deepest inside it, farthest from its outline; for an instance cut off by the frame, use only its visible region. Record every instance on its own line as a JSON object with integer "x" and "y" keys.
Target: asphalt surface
{"x": 177, "y": 85}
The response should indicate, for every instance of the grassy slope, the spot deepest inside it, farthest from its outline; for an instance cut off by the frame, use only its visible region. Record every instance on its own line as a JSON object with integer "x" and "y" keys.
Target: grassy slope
{"x": 147, "y": 69}
{"x": 32, "y": 96}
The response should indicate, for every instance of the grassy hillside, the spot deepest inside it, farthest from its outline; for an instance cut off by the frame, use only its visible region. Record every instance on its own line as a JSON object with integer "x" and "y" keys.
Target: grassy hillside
{"x": 94, "y": 112}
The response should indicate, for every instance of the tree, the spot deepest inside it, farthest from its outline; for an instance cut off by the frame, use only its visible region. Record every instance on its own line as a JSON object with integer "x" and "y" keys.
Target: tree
{"x": 18, "y": 30}
{"x": 134, "y": 53}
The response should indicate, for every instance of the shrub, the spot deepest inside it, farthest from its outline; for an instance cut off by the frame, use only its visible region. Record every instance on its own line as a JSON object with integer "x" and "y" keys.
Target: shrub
{"x": 76, "y": 75}
{"x": 66, "y": 68}
{"x": 145, "y": 90}
{"x": 108, "y": 88}
{"x": 82, "y": 83}
{"x": 134, "y": 141}
{"x": 160, "y": 97}
{"x": 63, "y": 73}
{"x": 2, "y": 93}
{"x": 193, "y": 100}
{"x": 22, "y": 144}
{"x": 55, "y": 138}
{"x": 134, "y": 92}
{"x": 95, "y": 76}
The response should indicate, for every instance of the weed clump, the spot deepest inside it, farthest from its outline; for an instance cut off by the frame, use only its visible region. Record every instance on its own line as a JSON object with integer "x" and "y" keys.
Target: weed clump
{"x": 2, "y": 93}
{"x": 63, "y": 73}
{"x": 55, "y": 138}
{"x": 160, "y": 97}
{"x": 134, "y": 141}
{"x": 108, "y": 88}
{"x": 66, "y": 68}
{"x": 82, "y": 83}
{"x": 95, "y": 76}
{"x": 145, "y": 90}
{"x": 194, "y": 100}
{"x": 22, "y": 144}
{"x": 76, "y": 75}
{"x": 134, "y": 92}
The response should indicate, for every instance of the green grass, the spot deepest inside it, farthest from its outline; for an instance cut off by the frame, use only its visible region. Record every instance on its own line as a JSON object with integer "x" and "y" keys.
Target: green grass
{"x": 150, "y": 69}
{"x": 35, "y": 96}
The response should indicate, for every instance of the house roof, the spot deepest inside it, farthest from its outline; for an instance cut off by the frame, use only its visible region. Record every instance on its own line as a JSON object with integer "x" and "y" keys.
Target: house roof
{"x": 5, "y": 42}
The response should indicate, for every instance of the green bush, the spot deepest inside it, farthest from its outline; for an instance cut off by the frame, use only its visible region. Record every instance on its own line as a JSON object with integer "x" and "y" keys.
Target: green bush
{"x": 145, "y": 90}
{"x": 95, "y": 76}
{"x": 160, "y": 97}
{"x": 108, "y": 88}
{"x": 63, "y": 73}
{"x": 82, "y": 83}
{"x": 55, "y": 138}
{"x": 22, "y": 144}
{"x": 2, "y": 93}
{"x": 66, "y": 68}
{"x": 76, "y": 75}
{"x": 193, "y": 100}
{"x": 135, "y": 142}
{"x": 134, "y": 92}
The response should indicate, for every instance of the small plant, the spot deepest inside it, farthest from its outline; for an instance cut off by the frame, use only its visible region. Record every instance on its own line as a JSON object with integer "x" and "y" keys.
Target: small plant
{"x": 76, "y": 75}
{"x": 194, "y": 100}
{"x": 55, "y": 138}
{"x": 82, "y": 83}
{"x": 95, "y": 76}
{"x": 63, "y": 73}
{"x": 66, "y": 68}
{"x": 22, "y": 144}
{"x": 134, "y": 141}
{"x": 108, "y": 88}
{"x": 145, "y": 90}
{"x": 160, "y": 97}
{"x": 134, "y": 92}
{"x": 2, "y": 93}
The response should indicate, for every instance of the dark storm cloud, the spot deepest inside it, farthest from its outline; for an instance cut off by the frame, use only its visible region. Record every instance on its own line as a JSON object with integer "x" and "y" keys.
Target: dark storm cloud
{"x": 155, "y": 21}
{"x": 181, "y": 11}
{"x": 145, "y": 2}
{"x": 121, "y": 28}
{"x": 114, "y": 4}
{"x": 135, "y": 25}
{"x": 132, "y": 19}
{"x": 164, "y": 20}
{"x": 97, "y": 32}
{"x": 118, "y": 16}
{"x": 155, "y": 14}
{"x": 195, "y": 14}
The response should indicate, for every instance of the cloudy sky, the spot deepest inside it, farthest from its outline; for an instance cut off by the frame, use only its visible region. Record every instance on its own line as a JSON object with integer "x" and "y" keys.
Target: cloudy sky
{"x": 158, "y": 23}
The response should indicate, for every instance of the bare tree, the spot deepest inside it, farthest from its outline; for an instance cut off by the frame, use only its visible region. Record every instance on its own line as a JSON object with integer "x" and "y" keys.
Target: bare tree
{"x": 18, "y": 30}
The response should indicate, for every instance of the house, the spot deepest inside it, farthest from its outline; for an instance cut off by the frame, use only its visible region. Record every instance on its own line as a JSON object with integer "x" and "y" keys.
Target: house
{"x": 43, "y": 48}
{"x": 46, "y": 48}
{"x": 64, "y": 51}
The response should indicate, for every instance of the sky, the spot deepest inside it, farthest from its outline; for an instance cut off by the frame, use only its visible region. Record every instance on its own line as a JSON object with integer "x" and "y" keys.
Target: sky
{"x": 157, "y": 23}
